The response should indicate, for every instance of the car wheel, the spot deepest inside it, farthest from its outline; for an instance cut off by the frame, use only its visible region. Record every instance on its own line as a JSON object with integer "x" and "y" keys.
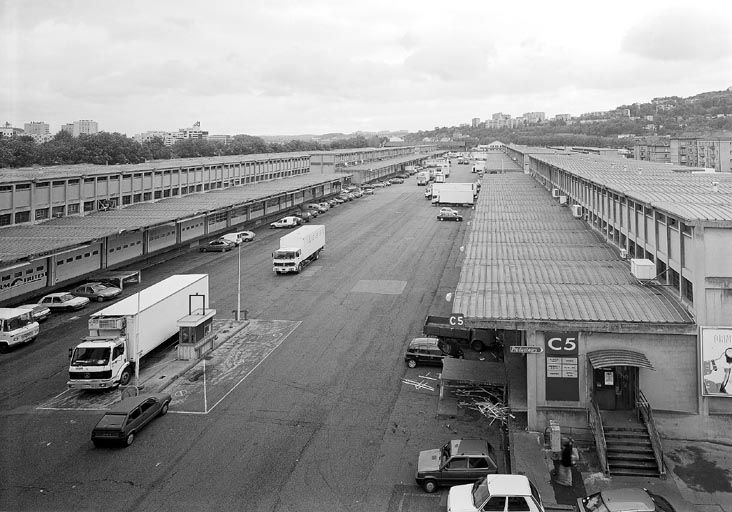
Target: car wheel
{"x": 412, "y": 363}
{"x": 430, "y": 486}
{"x": 4, "y": 348}
{"x": 100, "y": 299}
{"x": 126, "y": 377}
{"x": 164, "y": 410}
{"x": 130, "y": 439}
{"x": 477, "y": 345}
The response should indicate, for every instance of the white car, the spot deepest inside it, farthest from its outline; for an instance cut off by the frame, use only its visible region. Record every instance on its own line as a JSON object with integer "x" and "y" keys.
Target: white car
{"x": 286, "y": 222}
{"x": 448, "y": 211}
{"x": 492, "y": 493}
{"x": 63, "y": 300}
{"x": 239, "y": 237}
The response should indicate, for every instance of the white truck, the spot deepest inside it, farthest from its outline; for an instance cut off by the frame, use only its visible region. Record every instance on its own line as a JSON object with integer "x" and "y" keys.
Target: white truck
{"x": 457, "y": 194}
{"x": 16, "y": 327}
{"x": 298, "y": 249}
{"x": 479, "y": 166}
{"x": 122, "y": 334}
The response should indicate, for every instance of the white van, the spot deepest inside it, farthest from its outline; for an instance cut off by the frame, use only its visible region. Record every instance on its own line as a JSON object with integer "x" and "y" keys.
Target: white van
{"x": 16, "y": 326}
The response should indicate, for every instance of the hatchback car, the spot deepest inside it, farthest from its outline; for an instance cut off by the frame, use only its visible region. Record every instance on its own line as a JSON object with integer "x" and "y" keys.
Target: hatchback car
{"x": 286, "y": 222}
{"x": 63, "y": 301}
{"x": 459, "y": 461}
{"x": 126, "y": 418}
{"x": 325, "y": 205}
{"x": 496, "y": 492}
{"x": 39, "y": 313}
{"x": 396, "y": 181}
{"x": 424, "y": 351}
{"x": 624, "y": 500}
{"x": 368, "y": 191}
{"x": 97, "y": 291}
{"x": 218, "y": 245}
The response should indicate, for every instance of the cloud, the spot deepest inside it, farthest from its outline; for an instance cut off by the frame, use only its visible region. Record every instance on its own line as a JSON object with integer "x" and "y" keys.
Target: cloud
{"x": 680, "y": 35}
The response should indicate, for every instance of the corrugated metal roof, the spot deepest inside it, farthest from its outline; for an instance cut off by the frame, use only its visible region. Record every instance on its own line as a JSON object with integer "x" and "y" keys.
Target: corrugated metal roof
{"x": 18, "y": 242}
{"x": 672, "y": 189}
{"x": 528, "y": 259}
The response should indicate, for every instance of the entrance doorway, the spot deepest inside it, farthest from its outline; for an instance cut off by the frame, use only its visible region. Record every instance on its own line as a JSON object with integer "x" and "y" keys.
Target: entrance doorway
{"x": 615, "y": 387}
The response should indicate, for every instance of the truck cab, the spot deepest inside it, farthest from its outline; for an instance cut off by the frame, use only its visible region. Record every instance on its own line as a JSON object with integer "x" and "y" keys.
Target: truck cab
{"x": 16, "y": 326}
{"x": 100, "y": 361}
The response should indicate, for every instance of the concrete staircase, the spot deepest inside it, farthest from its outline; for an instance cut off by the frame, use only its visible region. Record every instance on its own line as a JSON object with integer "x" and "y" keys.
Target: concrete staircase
{"x": 629, "y": 450}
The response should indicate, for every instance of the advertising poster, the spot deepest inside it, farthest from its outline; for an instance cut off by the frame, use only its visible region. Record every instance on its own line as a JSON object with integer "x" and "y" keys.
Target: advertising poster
{"x": 716, "y": 354}
{"x": 562, "y": 376}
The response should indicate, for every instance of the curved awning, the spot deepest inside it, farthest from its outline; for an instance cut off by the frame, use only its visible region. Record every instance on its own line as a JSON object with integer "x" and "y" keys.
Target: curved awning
{"x": 618, "y": 357}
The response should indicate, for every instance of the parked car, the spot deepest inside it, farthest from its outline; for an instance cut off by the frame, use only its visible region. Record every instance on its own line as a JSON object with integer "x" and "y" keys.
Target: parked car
{"x": 624, "y": 500}
{"x": 125, "y": 419}
{"x": 493, "y": 492}
{"x": 339, "y": 200}
{"x": 97, "y": 291}
{"x": 218, "y": 245}
{"x": 396, "y": 181}
{"x": 449, "y": 210}
{"x": 239, "y": 236}
{"x": 332, "y": 202}
{"x": 61, "y": 301}
{"x": 345, "y": 196}
{"x": 286, "y": 222}
{"x": 304, "y": 216}
{"x": 358, "y": 193}
{"x": 313, "y": 207}
{"x": 39, "y": 313}
{"x": 459, "y": 461}
{"x": 368, "y": 191}
{"x": 325, "y": 205}
{"x": 425, "y": 351}
{"x": 377, "y": 184}
{"x": 450, "y": 216}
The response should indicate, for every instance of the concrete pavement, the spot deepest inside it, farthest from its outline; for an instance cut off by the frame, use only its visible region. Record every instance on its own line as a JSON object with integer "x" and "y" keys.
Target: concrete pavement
{"x": 699, "y": 474}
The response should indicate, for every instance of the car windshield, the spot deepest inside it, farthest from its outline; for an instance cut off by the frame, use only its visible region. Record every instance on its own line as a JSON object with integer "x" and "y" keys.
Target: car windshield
{"x": 112, "y": 420}
{"x": 66, "y": 297}
{"x": 90, "y": 356}
{"x": 480, "y": 492}
{"x": 594, "y": 503}
{"x": 17, "y": 322}
{"x": 285, "y": 255}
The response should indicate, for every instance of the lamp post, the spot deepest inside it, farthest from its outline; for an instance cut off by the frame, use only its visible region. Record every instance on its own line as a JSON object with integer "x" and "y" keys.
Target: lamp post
{"x": 238, "y": 284}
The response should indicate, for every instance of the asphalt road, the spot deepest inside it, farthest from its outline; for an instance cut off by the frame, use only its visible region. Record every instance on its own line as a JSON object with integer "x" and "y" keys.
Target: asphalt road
{"x": 320, "y": 424}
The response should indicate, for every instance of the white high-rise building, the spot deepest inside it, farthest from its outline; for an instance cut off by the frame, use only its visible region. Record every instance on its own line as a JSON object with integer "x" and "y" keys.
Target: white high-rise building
{"x": 85, "y": 126}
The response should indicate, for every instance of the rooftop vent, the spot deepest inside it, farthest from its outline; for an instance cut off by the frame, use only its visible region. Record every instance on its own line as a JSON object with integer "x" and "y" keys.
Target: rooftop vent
{"x": 642, "y": 269}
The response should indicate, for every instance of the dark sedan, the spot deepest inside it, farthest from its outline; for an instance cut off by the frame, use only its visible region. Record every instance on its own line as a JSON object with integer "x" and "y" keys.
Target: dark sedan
{"x": 450, "y": 216}
{"x": 220, "y": 245}
{"x": 126, "y": 418}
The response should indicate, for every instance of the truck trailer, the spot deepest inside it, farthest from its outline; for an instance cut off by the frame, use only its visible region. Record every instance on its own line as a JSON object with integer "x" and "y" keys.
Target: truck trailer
{"x": 298, "y": 249}
{"x": 122, "y": 334}
{"x": 455, "y": 194}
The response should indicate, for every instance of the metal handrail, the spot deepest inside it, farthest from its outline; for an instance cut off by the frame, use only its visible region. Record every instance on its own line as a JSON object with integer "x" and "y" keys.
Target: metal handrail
{"x": 595, "y": 421}
{"x": 646, "y": 415}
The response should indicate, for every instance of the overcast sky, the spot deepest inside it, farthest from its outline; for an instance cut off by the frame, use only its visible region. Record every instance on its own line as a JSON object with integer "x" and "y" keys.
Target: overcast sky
{"x": 317, "y": 66}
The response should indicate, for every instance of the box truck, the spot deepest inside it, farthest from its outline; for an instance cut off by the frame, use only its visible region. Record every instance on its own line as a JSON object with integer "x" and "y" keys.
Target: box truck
{"x": 16, "y": 327}
{"x": 298, "y": 249}
{"x": 122, "y": 334}
{"x": 457, "y": 194}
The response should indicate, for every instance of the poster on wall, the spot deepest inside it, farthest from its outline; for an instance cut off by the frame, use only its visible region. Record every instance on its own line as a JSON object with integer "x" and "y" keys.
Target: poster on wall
{"x": 562, "y": 375}
{"x": 716, "y": 355}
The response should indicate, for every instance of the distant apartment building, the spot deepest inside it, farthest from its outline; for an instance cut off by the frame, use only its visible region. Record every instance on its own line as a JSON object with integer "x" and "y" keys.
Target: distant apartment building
{"x": 39, "y": 130}
{"x": 68, "y": 128}
{"x": 194, "y": 132}
{"x": 652, "y": 150}
{"x": 9, "y": 130}
{"x": 563, "y": 117}
{"x": 713, "y": 152}
{"x": 475, "y": 122}
{"x": 534, "y": 117}
{"x": 82, "y": 127}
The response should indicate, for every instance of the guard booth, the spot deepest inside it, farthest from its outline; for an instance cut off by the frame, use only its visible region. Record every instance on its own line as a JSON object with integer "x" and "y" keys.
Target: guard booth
{"x": 195, "y": 334}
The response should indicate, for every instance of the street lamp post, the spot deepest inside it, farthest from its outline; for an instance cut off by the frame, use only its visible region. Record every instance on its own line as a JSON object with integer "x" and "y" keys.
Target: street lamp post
{"x": 238, "y": 284}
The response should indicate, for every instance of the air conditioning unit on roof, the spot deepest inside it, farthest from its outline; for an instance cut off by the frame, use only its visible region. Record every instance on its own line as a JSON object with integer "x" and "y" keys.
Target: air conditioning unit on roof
{"x": 563, "y": 200}
{"x": 555, "y": 192}
{"x": 642, "y": 269}
{"x": 576, "y": 210}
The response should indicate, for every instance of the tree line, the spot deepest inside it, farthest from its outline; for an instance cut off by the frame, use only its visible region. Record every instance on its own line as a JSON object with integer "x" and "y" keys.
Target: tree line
{"x": 105, "y": 148}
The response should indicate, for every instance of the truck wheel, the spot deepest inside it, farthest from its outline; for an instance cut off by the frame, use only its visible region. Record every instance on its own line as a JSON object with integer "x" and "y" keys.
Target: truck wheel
{"x": 130, "y": 439}
{"x": 299, "y": 267}
{"x": 126, "y": 377}
{"x": 477, "y": 345}
{"x": 430, "y": 485}
{"x": 412, "y": 363}
{"x": 446, "y": 348}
